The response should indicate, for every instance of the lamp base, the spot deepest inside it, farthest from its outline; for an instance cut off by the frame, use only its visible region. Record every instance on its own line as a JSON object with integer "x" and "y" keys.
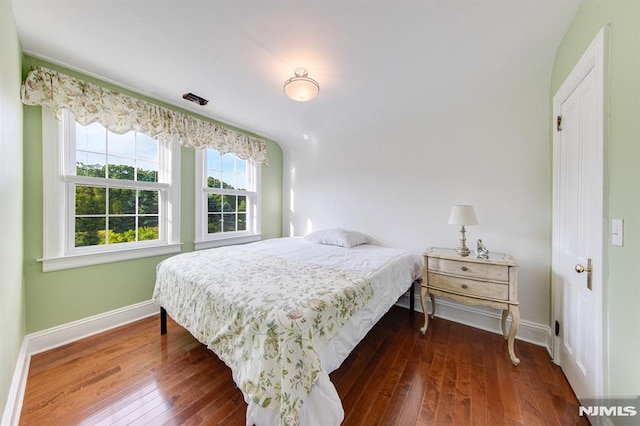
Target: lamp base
{"x": 463, "y": 251}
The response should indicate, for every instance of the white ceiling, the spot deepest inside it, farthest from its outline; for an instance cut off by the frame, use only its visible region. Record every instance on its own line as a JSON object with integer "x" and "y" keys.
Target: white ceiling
{"x": 371, "y": 58}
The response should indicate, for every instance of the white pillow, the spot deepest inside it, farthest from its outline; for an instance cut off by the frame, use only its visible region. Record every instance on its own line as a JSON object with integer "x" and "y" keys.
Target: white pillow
{"x": 338, "y": 237}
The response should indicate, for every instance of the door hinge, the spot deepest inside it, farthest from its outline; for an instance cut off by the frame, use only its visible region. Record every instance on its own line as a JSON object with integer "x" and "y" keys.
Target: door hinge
{"x": 557, "y": 328}
{"x": 559, "y": 123}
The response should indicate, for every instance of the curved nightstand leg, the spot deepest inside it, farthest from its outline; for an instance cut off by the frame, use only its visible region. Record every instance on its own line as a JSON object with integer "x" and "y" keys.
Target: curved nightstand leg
{"x": 423, "y": 294}
{"x": 433, "y": 306}
{"x": 505, "y": 314}
{"x": 515, "y": 321}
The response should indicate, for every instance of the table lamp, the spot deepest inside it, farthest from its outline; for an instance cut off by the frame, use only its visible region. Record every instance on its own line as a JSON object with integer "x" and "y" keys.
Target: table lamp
{"x": 463, "y": 215}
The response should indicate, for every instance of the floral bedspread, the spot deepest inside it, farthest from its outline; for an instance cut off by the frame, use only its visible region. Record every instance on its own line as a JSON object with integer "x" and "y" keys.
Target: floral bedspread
{"x": 264, "y": 316}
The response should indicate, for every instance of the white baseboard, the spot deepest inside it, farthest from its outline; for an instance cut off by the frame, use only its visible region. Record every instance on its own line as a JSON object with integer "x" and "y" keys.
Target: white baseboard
{"x": 61, "y": 335}
{"x": 11, "y": 413}
{"x": 66, "y": 333}
{"x": 528, "y": 331}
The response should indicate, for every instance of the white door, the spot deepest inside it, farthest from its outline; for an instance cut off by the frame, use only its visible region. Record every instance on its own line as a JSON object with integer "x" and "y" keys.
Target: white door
{"x": 578, "y": 222}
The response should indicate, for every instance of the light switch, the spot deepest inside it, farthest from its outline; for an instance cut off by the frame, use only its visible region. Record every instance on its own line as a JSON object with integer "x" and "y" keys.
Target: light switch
{"x": 617, "y": 232}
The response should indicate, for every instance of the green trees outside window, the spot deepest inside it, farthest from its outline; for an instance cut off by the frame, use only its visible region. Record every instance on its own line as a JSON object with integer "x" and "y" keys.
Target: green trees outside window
{"x": 227, "y": 195}
{"x": 106, "y": 215}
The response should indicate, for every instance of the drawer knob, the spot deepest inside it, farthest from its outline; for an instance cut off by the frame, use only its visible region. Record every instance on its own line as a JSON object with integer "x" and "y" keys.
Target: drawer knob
{"x": 464, "y": 268}
{"x": 465, "y": 286}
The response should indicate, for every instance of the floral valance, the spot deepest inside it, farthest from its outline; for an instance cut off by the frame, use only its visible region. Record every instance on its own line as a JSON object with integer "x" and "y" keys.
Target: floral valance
{"x": 121, "y": 113}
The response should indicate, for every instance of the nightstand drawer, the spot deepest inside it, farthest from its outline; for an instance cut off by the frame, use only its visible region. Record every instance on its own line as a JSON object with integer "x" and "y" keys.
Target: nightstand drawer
{"x": 467, "y": 287}
{"x": 470, "y": 269}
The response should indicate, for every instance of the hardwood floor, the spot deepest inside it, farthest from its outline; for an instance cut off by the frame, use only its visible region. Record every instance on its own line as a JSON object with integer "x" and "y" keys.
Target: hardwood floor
{"x": 455, "y": 375}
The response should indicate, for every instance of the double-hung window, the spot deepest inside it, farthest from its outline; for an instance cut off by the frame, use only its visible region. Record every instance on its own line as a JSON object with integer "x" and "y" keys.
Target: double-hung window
{"x": 108, "y": 197}
{"x": 227, "y": 199}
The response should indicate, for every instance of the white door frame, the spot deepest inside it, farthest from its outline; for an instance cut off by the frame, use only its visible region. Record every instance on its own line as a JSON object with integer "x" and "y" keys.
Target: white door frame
{"x": 595, "y": 60}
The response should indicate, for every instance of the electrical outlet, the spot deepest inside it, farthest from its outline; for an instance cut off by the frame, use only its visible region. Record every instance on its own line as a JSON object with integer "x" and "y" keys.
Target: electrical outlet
{"x": 617, "y": 232}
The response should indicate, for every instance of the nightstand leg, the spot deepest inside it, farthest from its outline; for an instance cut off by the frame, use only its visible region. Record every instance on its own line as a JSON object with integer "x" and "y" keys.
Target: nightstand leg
{"x": 423, "y": 295}
{"x": 515, "y": 321}
{"x": 433, "y": 306}
{"x": 505, "y": 314}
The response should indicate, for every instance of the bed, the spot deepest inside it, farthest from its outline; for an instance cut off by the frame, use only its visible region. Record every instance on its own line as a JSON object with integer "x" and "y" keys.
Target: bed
{"x": 284, "y": 313}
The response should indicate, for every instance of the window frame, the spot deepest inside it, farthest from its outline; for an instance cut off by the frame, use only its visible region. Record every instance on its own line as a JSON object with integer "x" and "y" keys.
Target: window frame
{"x": 205, "y": 240}
{"x": 59, "y": 180}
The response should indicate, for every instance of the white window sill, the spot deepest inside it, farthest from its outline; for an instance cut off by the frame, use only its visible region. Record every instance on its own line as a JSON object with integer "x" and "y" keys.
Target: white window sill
{"x": 228, "y": 241}
{"x": 80, "y": 260}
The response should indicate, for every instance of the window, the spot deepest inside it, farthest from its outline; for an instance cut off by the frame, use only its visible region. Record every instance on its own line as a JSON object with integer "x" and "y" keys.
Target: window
{"x": 227, "y": 203}
{"x": 109, "y": 197}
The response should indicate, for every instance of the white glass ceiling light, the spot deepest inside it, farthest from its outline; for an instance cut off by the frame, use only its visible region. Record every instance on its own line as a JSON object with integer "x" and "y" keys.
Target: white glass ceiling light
{"x": 301, "y": 88}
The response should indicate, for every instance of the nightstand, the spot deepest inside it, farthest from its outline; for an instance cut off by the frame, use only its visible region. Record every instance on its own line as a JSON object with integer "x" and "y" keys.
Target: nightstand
{"x": 488, "y": 282}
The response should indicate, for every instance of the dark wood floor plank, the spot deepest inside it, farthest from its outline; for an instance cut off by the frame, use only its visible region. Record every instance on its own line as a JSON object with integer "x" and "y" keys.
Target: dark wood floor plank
{"x": 405, "y": 369}
{"x": 454, "y": 374}
{"x": 395, "y": 364}
{"x": 439, "y": 333}
{"x": 386, "y": 357}
{"x": 531, "y": 414}
{"x": 364, "y": 383}
{"x": 415, "y": 383}
{"x": 478, "y": 395}
{"x": 462, "y": 391}
{"x": 510, "y": 400}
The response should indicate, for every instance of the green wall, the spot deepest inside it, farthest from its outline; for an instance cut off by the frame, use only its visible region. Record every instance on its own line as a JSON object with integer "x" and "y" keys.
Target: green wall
{"x": 622, "y": 287}
{"x": 59, "y": 297}
{"x": 12, "y": 317}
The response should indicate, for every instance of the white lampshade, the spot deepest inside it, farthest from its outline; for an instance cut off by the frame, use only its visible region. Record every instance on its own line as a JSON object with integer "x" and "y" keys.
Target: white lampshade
{"x": 463, "y": 215}
{"x": 301, "y": 88}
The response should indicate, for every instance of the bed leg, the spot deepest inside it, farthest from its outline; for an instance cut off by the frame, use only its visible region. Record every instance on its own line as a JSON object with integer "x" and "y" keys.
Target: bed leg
{"x": 163, "y": 321}
{"x": 412, "y": 301}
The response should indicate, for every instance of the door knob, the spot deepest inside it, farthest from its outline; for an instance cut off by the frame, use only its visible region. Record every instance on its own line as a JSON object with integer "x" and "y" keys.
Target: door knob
{"x": 589, "y": 269}
{"x": 580, "y": 269}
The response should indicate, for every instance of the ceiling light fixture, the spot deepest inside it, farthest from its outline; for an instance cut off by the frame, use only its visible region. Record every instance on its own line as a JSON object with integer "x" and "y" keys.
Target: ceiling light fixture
{"x": 301, "y": 88}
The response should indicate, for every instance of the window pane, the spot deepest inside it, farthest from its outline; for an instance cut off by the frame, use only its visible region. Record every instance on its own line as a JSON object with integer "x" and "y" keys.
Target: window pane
{"x": 90, "y": 231}
{"x": 147, "y": 202}
{"x": 229, "y": 203}
{"x": 214, "y": 179}
{"x": 121, "y": 168}
{"x": 91, "y": 200}
{"x": 91, "y": 138}
{"x": 228, "y": 162}
{"x": 122, "y": 201}
{"x": 148, "y": 228}
{"x": 214, "y": 161}
{"x": 122, "y": 229}
{"x": 242, "y": 221}
{"x": 146, "y": 147}
{"x": 242, "y": 203}
{"x": 147, "y": 171}
{"x": 90, "y": 164}
{"x": 241, "y": 167}
{"x": 228, "y": 180}
{"x": 214, "y": 203}
{"x": 229, "y": 221}
{"x": 122, "y": 145}
{"x": 214, "y": 224}
{"x": 241, "y": 181}
{"x": 241, "y": 174}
